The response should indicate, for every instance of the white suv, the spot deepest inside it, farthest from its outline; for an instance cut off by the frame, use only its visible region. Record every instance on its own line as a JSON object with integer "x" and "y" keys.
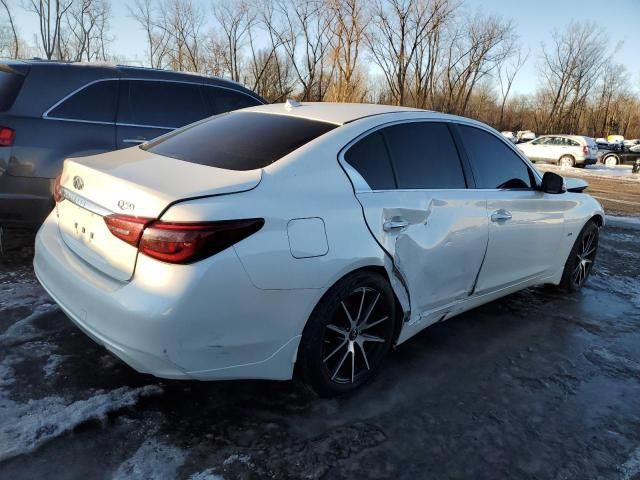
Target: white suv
{"x": 563, "y": 150}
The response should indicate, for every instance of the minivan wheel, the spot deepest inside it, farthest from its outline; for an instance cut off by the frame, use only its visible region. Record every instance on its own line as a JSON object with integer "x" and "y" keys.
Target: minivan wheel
{"x": 348, "y": 335}
{"x": 611, "y": 161}
{"x": 581, "y": 258}
{"x": 566, "y": 161}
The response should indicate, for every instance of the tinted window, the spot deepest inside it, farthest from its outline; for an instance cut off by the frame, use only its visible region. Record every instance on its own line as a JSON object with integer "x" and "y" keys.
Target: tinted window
{"x": 161, "y": 104}
{"x": 494, "y": 164}
{"x": 224, "y": 100}
{"x": 10, "y": 84}
{"x": 424, "y": 155}
{"x": 239, "y": 140}
{"x": 97, "y": 103}
{"x": 369, "y": 157}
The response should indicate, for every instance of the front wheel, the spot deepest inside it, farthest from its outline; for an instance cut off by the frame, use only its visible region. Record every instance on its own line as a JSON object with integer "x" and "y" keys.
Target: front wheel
{"x": 348, "y": 335}
{"x": 581, "y": 258}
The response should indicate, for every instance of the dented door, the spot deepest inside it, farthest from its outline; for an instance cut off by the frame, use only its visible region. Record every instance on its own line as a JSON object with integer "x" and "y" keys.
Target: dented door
{"x": 437, "y": 239}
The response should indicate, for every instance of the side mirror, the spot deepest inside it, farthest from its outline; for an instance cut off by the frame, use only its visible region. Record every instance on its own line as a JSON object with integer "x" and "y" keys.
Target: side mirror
{"x": 553, "y": 183}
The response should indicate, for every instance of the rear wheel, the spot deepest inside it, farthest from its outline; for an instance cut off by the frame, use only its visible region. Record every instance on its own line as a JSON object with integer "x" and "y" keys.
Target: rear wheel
{"x": 611, "y": 160}
{"x": 566, "y": 161}
{"x": 348, "y": 335}
{"x": 581, "y": 258}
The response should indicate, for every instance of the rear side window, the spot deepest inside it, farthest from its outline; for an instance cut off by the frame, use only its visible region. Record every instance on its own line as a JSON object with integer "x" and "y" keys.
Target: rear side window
{"x": 161, "y": 104}
{"x": 96, "y": 103}
{"x": 424, "y": 156}
{"x": 224, "y": 100}
{"x": 239, "y": 140}
{"x": 10, "y": 84}
{"x": 493, "y": 163}
{"x": 369, "y": 157}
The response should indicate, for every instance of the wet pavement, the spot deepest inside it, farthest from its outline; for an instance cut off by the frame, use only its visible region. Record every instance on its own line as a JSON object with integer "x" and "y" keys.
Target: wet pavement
{"x": 538, "y": 385}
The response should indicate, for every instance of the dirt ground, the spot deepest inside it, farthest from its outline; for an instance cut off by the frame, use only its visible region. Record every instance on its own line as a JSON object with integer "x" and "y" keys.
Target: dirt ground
{"x": 538, "y": 385}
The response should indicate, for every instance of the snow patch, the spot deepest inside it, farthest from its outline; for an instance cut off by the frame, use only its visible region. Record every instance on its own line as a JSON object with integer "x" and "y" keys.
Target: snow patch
{"x": 24, "y": 330}
{"x": 245, "y": 459}
{"x": 208, "y": 474}
{"x": 631, "y": 468}
{"x": 152, "y": 460}
{"x": 53, "y": 362}
{"x": 24, "y": 427}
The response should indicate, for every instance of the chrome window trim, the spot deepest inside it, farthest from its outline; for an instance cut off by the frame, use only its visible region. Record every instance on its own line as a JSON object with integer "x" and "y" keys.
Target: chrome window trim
{"x": 360, "y": 185}
{"x": 46, "y": 116}
{"x": 84, "y": 202}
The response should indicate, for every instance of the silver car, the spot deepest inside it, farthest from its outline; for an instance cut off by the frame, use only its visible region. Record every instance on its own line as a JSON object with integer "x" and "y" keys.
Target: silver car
{"x": 563, "y": 150}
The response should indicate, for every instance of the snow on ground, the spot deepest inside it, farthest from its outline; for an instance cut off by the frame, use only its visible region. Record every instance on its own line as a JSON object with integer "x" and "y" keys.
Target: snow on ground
{"x": 26, "y": 426}
{"x": 208, "y": 474}
{"x": 623, "y": 172}
{"x": 155, "y": 460}
{"x": 631, "y": 468}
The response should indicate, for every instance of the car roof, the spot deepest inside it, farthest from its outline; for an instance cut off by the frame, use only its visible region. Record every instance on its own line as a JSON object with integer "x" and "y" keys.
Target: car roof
{"x": 336, "y": 113}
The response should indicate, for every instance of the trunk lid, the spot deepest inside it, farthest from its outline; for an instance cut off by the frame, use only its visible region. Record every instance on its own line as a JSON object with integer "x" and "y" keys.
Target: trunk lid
{"x": 130, "y": 182}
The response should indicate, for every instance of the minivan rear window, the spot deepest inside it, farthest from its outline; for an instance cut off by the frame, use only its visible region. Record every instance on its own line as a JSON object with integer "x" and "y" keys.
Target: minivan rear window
{"x": 239, "y": 140}
{"x": 10, "y": 84}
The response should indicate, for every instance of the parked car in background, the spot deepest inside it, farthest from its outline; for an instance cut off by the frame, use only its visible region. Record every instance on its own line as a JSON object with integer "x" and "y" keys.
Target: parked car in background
{"x": 525, "y": 136}
{"x": 510, "y": 136}
{"x": 563, "y": 150}
{"x": 305, "y": 237}
{"x": 602, "y": 143}
{"x": 50, "y": 111}
{"x": 625, "y": 156}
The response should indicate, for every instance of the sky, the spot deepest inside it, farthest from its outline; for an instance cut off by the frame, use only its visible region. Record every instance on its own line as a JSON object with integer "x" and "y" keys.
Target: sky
{"x": 534, "y": 20}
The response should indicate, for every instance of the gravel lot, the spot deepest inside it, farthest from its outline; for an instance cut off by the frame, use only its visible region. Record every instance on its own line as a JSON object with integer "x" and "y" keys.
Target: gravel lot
{"x": 536, "y": 385}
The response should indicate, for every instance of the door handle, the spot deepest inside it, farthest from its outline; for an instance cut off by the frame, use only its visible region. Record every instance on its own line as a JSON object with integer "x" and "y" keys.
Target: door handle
{"x": 395, "y": 223}
{"x": 135, "y": 141}
{"x": 501, "y": 215}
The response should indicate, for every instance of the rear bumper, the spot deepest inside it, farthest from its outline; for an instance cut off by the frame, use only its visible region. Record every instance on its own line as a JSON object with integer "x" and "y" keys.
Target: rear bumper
{"x": 203, "y": 321}
{"x": 24, "y": 201}
{"x": 587, "y": 160}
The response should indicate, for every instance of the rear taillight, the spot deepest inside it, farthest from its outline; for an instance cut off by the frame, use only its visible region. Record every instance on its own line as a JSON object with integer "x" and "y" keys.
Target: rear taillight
{"x": 127, "y": 228}
{"x": 175, "y": 242}
{"x": 190, "y": 242}
{"x": 585, "y": 150}
{"x": 7, "y": 136}
{"x": 58, "y": 196}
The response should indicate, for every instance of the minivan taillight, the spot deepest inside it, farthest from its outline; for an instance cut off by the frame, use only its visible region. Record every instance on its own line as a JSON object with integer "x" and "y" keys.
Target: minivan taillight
{"x": 177, "y": 242}
{"x": 190, "y": 242}
{"x": 58, "y": 196}
{"x": 585, "y": 150}
{"x": 7, "y": 136}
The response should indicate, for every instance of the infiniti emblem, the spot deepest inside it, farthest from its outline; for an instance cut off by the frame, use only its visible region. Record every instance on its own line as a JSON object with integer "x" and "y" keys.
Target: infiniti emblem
{"x": 78, "y": 183}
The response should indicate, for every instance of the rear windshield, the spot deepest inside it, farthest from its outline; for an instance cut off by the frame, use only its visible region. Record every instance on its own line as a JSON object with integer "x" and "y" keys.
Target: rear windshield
{"x": 10, "y": 84}
{"x": 239, "y": 140}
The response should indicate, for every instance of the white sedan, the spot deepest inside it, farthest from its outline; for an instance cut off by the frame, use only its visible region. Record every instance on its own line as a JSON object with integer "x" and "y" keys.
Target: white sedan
{"x": 314, "y": 236}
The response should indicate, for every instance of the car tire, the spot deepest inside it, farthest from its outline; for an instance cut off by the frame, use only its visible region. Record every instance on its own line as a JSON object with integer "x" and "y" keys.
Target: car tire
{"x": 580, "y": 261}
{"x": 348, "y": 335}
{"x": 567, "y": 161}
{"x": 610, "y": 160}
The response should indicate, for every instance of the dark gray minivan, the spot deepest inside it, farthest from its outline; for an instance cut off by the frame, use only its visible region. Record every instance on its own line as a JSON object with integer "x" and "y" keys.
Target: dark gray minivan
{"x": 50, "y": 111}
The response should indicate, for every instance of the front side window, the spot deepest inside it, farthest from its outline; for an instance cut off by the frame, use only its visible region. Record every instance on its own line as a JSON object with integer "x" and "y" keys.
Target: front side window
{"x": 95, "y": 103}
{"x": 161, "y": 104}
{"x": 424, "y": 156}
{"x": 239, "y": 140}
{"x": 493, "y": 163}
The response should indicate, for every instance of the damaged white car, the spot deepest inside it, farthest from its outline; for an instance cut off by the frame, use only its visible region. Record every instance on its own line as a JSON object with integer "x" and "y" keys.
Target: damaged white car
{"x": 306, "y": 237}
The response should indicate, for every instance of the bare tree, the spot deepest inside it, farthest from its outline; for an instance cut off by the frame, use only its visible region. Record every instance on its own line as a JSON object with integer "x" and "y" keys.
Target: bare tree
{"x": 569, "y": 69}
{"x": 183, "y": 23}
{"x": 145, "y": 12}
{"x": 50, "y": 14}
{"x": 506, "y": 75}
{"x": 347, "y": 36}
{"x": 86, "y": 36}
{"x": 14, "y": 46}
{"x": 235, "y": 20}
